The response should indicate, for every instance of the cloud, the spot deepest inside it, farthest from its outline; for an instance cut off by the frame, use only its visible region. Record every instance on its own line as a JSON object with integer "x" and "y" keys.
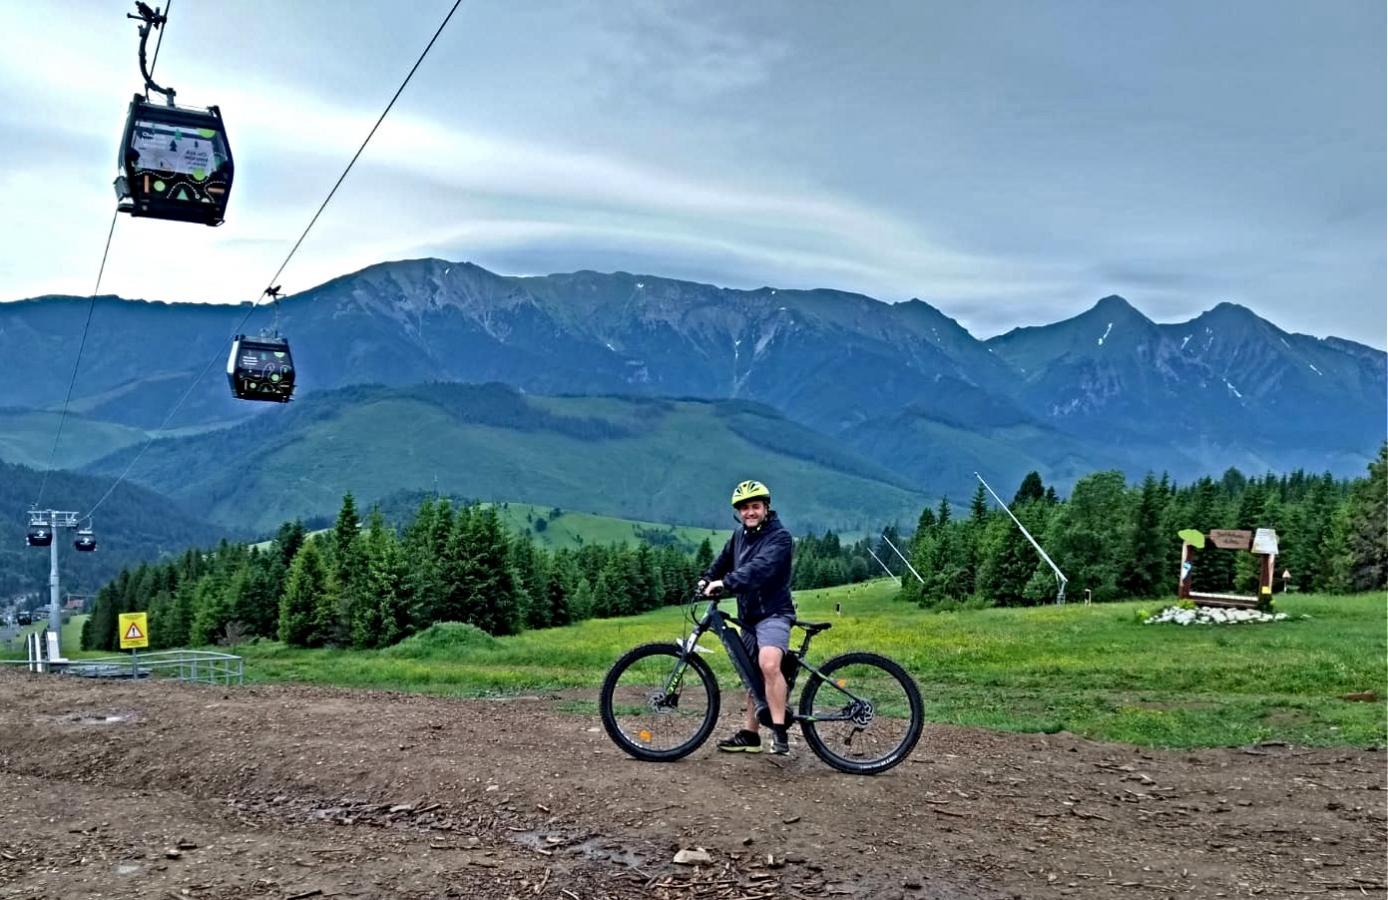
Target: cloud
{"x": 1008, "y": 171}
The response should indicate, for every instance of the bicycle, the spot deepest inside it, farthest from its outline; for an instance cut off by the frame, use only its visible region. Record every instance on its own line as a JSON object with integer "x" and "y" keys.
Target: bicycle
{"x": 859, "y": 712}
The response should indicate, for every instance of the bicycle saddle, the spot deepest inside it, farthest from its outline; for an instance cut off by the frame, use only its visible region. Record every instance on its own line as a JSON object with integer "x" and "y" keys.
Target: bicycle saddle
{"x": 813, "y": 628}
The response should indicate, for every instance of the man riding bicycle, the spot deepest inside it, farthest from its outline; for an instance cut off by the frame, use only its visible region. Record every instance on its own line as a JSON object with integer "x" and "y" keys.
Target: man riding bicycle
{"x": 755, "y": 565}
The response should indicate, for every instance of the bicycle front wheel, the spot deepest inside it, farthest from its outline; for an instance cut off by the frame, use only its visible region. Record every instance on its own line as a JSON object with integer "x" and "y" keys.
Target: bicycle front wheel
{"x": 861, "y": 713}
{"x": 658, "y": 703}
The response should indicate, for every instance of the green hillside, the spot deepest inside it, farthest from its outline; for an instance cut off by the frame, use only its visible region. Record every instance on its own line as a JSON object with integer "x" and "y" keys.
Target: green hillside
{"x": 132, "y": 526}
{"x": 26, "y": 438}
{"x": 642, "y": 459}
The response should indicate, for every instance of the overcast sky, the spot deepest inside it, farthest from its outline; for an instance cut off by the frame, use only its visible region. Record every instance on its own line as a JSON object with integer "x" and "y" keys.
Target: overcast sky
{"x": 1008, "y": 162}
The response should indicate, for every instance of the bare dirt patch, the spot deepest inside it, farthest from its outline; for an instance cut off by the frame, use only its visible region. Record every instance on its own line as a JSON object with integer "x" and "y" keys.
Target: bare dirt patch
{"x": 171, "y": 791}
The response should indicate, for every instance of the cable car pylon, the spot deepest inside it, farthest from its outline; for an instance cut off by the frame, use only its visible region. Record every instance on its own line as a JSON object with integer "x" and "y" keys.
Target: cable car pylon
{"x": 42, "y": 525}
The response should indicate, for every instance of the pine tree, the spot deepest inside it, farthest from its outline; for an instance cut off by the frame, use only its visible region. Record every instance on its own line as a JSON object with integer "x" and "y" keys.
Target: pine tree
{"x": 645, "y": 588}
{"x": 304, "y": 592}
{"x": 212, "y": 607}
{"x": 481, "y": 586}
{"x": 924, "y": 525}
{"x": 532, "y": 569}
{"x": 563, "y": 582}
{"x": 377, "y": 611}
{"x": 288, "y": 540}
{"x": 348, "y": 524}
{"x": 978, "y": 505}
{"x": 1142, "y": 575}
{"x": 1030, "y": 489}
{"x": 602, "y": 603}
{"x": 1092, "y": 534}
{"x": 159, "y": 611}
{"x": 677, "y": 575}
{"x": 257, "y": 605}
{"x": 181, "y": 614}
{"x": 356, "y": 613}
{"x": 582, "y": 603}
{"x": 612, "y": 594}
{"x": 1214, "y": 568}
{"x": 390, "y": 577}
{"x": 703, "y": 557}
{"x": 1006, "y": 558}
{"x": 1362, "y": 564}
{"x": 424, "y": 587}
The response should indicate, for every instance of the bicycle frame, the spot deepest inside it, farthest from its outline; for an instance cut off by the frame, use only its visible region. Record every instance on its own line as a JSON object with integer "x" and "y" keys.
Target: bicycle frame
{"x": 715, "y": 620}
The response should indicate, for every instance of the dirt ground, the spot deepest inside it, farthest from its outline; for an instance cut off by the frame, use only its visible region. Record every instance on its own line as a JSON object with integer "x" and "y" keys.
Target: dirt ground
{"x": 173, "y": 791}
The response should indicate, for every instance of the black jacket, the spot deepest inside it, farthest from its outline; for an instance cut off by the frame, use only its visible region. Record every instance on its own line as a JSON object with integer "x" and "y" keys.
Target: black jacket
{"x": 755, "y": 565}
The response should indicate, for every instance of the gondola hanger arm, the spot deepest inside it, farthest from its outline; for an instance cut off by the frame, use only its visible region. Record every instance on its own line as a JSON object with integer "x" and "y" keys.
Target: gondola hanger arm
{"x": 151, "y": 19}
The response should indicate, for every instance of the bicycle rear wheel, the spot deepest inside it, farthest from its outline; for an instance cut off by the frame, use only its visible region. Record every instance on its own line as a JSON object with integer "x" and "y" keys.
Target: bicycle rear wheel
{"x": 659, "y": 704}
{"x": 864, "y": 715}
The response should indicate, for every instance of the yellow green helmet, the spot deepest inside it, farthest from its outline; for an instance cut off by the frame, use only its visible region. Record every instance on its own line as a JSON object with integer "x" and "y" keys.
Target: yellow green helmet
{"x": 751, "y": 490}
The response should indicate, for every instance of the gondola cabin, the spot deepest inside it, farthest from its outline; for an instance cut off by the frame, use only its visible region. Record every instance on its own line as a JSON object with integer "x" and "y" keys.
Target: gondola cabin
{"x": 85, "y": 541}
{"x": 261, "y": 368}
{"x": 175, "y": 163}
{"x": 39, "y": 536}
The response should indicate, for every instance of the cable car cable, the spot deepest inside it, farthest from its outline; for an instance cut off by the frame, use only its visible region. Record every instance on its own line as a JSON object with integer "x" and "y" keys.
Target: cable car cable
{"x": 168, "y": 8}
{"x": 274, "y": 281}
{"x": 81, "y": 345}
{"x": 91, "y": 305}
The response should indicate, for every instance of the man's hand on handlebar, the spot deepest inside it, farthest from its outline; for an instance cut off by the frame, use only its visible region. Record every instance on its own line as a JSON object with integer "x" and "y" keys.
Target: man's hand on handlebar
{"x": 712, "y": 588}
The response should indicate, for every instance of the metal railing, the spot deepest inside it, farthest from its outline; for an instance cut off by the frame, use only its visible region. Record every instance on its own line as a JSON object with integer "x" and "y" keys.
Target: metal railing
{"x": 192, "y": 666}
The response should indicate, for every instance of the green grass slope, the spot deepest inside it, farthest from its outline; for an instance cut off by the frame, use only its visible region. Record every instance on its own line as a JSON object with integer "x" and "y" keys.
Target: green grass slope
{"x": 1090, "y": 670}
{"x": 648, "y": 460}
{"x": 26, "y": 438}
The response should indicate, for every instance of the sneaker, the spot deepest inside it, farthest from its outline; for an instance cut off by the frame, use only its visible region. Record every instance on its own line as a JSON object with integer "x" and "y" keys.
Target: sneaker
{"x": 780, "y": 744}
{"x": 743, "y": 742}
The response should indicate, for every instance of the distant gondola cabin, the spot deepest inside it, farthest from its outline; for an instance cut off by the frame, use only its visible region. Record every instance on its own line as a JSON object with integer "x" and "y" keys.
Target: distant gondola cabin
{"x": 261, "y": 368}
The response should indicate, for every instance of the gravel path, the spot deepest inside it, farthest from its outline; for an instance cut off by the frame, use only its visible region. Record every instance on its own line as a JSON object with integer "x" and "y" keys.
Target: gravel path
{"x": 173, "y": 791}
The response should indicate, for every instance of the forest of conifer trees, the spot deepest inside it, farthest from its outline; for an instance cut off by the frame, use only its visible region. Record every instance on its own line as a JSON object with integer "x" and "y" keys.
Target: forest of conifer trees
{"x": 365, "y": 584}
{"x": 1119, "y": 541}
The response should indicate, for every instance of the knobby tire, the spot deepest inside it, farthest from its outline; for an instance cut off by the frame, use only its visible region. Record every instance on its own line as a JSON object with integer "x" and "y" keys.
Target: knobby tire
{"x": 821, "y": 747}
{"x": 697, "y": 676}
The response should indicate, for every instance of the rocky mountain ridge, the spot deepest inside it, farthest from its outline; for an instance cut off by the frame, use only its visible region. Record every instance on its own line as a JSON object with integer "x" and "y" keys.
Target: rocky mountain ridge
{"x": 902, "y": 384}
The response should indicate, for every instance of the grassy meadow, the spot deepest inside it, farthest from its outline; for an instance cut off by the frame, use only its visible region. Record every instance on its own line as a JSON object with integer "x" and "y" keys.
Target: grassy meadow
{"x": 1090, "y": 670}
{"x": 70, "y": 638}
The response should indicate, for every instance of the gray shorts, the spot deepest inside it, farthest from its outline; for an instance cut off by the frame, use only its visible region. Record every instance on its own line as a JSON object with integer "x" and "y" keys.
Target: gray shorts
{"x": 770, "y": 632}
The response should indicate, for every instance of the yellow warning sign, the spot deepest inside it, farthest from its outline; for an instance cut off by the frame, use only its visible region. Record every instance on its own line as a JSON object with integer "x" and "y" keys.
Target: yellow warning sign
{"x": 134, "y": 630}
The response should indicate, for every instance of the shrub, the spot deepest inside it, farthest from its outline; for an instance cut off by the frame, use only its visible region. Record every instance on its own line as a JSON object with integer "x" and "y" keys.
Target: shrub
{"x": 444, "y": 639}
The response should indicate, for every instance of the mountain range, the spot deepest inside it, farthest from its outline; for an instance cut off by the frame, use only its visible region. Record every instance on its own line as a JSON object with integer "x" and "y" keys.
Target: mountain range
{"x": 903, "y": 393}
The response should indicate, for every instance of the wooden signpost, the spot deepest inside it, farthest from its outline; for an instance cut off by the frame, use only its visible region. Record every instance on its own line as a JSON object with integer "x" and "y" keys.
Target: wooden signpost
{"x": 1262, "y": 544}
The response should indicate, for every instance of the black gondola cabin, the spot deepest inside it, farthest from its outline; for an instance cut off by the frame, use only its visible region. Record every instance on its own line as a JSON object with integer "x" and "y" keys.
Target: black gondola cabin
{"x": 175, "y": 163}
{"x": 261, "y": 368}
{"x": 85, "y": 541}
{"x": 39, "y": 536}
